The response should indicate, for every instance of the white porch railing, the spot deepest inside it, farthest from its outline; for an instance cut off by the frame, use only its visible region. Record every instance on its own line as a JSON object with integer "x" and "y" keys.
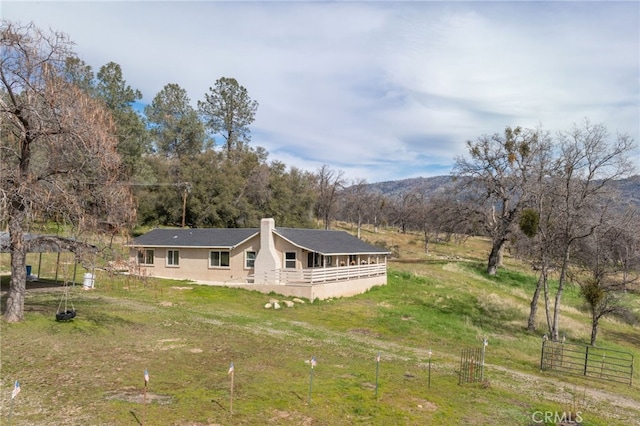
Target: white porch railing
{"x": 323, "y": 275}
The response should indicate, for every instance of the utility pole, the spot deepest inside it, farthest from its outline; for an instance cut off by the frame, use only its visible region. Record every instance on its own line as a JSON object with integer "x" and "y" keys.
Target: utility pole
{"x": 186, "y": 188}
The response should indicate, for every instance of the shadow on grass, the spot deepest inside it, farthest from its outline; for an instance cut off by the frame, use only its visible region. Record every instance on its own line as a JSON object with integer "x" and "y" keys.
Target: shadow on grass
{"x": 419, "y": 261}
{"x": 633, "y": 338}
{"x": 33, "y": 287}
{"x": 215, "y": 401}
{"x": 135, "y": 417}
{"x": 106, "y": 319}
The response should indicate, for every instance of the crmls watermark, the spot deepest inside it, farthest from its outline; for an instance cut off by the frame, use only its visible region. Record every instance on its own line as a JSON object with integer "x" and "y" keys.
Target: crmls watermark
{"x": 555, "y": 417}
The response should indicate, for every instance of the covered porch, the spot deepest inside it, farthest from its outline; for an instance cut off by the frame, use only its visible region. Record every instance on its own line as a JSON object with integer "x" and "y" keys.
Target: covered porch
{"x": 322, "y": 275}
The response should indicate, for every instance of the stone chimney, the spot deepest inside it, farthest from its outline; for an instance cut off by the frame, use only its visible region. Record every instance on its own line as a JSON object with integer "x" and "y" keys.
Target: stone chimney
{"x": 267, "y": 259}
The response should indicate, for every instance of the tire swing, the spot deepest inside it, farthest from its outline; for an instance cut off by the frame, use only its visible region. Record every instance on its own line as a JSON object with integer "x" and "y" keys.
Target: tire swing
{"x": 66, "y": 314}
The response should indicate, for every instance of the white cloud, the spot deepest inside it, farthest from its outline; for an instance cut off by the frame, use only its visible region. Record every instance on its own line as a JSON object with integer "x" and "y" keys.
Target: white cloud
{"x": 380, "y": 90}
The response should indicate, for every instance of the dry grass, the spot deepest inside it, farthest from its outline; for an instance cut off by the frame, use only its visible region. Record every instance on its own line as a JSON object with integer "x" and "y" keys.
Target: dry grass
{"x": 89, "y": 371}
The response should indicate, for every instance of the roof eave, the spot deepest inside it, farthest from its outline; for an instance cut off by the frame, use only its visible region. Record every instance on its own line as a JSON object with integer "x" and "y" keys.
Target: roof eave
{"x": 179, "y": 246}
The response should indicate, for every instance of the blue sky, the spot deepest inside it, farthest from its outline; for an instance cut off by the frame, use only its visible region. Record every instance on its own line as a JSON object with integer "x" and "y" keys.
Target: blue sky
{"x": 379, "y": 90}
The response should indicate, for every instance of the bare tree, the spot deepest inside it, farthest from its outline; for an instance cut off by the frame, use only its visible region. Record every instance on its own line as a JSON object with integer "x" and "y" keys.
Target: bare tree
{"x": 328, "y": 184}
{"x": 496, "y": 179}
{"x": 588, "y": 160}
{"x": 57, "y": 148}
{"x": 536, "y": 221}
{"x": 356, "y": 200}
{"x": 602, "y": 275}
{"x": 542, "y": 249}
{"x": 422, "y": 216}
{"x": 624, "y": 246}
{"x": 403, "y": 210}
{"x": 435, "y": 215}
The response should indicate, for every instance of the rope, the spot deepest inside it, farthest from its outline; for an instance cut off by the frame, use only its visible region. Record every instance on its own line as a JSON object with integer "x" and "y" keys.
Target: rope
{"x": 65, "y": 298}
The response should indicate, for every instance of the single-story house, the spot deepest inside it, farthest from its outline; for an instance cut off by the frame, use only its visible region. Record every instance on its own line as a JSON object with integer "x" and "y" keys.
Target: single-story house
{"x": 309, "y": 263}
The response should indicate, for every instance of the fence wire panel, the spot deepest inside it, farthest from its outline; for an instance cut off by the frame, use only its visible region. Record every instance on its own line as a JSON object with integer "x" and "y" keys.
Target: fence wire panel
{"x": 588, "y": 361}
{"x": 471, "y": 366}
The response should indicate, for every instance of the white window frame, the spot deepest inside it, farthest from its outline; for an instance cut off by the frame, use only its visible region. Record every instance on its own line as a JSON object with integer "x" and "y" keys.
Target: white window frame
{"x": 250, "y": 262}
{"x": 287, "y": 260}
{"x": 173, "y": 258}
{"x": 145, "y": 255}
{"x": 220, "y": 253}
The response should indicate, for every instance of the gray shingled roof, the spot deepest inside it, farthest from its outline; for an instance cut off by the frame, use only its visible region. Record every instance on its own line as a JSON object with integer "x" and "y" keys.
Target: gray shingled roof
{"x": 328, "y": 242}
{"x": 199, "y": 237}
{"x": 316, "y": 240}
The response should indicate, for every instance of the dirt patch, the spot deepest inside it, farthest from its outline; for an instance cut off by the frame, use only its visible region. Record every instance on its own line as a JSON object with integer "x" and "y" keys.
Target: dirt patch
{"x": 168, "y": 344}
{"x": 291, "y": 417}
{"x": 368, "y": 386}
{"x": 423, "y": 404}
{"x": 554, "y": 389}
{"x": 138, "y": 396}
{"x": 362, "y": 331}
{"x": 38, "y": 286}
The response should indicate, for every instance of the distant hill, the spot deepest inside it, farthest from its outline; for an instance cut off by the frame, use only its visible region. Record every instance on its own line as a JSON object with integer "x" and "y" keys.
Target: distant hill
{"x": 629, "y": 188}
{"x": 430, "y": 185}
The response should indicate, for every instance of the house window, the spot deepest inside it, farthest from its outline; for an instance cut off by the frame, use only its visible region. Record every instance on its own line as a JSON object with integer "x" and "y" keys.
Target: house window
{"x": 219, "y": 259}
{"x": 249, "y": 259}
{"x": 316, "y": 260}
{"x": 173, "y": 258}
{"x": 290, "y": 260}
{"x": 145, "y": 257}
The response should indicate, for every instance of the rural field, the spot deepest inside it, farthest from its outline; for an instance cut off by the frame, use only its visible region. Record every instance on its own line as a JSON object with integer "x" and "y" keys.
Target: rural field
{"x": 89, "y": 371}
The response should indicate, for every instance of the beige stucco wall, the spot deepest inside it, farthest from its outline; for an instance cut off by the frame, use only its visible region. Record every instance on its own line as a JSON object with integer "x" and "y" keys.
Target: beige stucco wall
{"x": 317, "y": 291}
{"x": 194, "y": 264}
{"x": 283, "y": 246}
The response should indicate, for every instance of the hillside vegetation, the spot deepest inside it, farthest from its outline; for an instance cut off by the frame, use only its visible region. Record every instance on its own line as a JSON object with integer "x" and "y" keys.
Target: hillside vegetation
{"x": 89, "y": 371}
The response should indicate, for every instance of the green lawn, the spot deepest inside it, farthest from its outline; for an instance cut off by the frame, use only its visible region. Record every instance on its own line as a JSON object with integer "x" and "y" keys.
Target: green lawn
{"x": 89, "y": 371}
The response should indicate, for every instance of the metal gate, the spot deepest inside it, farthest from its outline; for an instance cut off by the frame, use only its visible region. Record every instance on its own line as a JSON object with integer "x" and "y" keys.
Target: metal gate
{"x": 588, "y": 361}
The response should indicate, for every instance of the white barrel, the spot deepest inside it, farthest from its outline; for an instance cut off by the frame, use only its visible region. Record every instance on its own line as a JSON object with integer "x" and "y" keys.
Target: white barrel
{"x": 89, "y": 280}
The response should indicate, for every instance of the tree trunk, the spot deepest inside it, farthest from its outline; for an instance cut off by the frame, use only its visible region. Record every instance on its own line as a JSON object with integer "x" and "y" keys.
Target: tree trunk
{"x": 542, "y": 284}
{"x": 531, "y": 324}
{"x": 594, "y": 330}
{"x": 547, "y": 305}
{"x": 15, "y": 298}
{"x": 494, "y": 257}
{"x": 555, "y": 332}
{"x": 426, "y": 242}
